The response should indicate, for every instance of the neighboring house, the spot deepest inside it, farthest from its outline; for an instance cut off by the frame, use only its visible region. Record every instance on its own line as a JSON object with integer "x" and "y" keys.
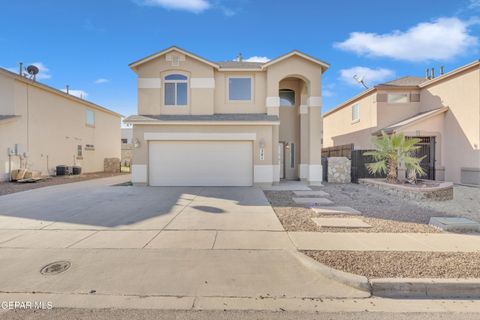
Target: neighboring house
{"x": 234, "y": 123}
{"x": 127, "y": 146}
{"x": 443, "y": 111}
{"x": 42, "y": 127}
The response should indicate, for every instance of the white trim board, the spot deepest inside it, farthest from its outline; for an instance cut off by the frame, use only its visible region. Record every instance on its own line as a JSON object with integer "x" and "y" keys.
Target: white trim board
{"x": 149, "y": 83}
{"x": 199, "y": 136}
{"x": 202, "y": 83}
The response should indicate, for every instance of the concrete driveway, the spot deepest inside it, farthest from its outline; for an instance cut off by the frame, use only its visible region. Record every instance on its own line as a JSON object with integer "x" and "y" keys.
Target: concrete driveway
{"x": 152, "y": 241}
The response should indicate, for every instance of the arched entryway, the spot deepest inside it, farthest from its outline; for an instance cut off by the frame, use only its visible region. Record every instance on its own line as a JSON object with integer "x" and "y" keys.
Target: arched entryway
{"x": 292, "y": 92}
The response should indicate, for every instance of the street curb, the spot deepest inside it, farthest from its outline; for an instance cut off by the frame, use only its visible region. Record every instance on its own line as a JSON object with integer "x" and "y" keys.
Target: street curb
{"x": 425, "y": 288}
{"x": 349, "y": 279}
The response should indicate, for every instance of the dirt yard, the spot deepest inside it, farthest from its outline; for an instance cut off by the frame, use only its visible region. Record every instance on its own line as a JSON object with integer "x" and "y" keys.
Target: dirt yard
{"x": 382, "y": 264}
{"x": 12, "y": 187}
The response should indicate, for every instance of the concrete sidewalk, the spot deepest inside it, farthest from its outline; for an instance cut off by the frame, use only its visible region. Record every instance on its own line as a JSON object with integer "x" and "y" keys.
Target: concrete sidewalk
{"x": 356, "y": 241}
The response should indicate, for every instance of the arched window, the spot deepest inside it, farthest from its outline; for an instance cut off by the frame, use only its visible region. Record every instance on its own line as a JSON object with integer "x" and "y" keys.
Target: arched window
{"x": 287, "y": 98}
{"x": 176, "y": 90}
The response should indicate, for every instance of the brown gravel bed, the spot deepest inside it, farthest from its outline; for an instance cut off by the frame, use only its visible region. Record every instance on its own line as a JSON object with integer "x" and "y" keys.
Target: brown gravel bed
{"x": 296, "y": 217}
{"x": 387, "y": 264}
{"x": 12, "y": 187}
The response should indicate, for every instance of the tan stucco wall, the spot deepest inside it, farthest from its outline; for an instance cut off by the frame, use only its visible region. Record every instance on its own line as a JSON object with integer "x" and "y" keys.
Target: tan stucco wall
{"x": 461, "y": 142}
{"x": 150, "y": 101}
{"x": 51, "y": 126}
{"x": 338, "y": 128}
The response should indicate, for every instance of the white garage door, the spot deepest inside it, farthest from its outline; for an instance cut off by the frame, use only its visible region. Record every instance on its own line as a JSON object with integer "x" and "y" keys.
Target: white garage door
{"x": 200, "y": 163}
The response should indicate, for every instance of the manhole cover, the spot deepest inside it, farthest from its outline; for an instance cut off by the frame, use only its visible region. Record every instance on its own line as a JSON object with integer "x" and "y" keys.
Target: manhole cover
{"x": 55, "y": 267}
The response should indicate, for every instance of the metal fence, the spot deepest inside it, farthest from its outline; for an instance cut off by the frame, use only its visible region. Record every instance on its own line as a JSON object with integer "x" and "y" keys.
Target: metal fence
{"x": 338, "y": 151}
{"x": 359, "y": 169}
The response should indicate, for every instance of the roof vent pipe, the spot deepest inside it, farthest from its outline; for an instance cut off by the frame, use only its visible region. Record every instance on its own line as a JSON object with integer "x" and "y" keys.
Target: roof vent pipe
{"x": 427, "y": 73}
{"x": 20, "y": 69}
{"x": 433, "y": 73}
{"x": 68, "y": 89}
{"x": 441, "y": 70}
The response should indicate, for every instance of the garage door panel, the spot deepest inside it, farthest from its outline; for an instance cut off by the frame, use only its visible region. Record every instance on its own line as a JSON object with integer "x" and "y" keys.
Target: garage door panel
{"x": 200, "y": 163}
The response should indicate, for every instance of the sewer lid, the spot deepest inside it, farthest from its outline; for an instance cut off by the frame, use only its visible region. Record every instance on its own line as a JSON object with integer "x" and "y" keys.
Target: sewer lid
{"x": 56, "y": 267}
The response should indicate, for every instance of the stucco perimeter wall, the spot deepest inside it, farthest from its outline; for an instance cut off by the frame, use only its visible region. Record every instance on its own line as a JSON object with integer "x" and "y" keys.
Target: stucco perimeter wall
{"x": 50, "y": 128}
{"x": 150, "y": 85}
{"x": 264, "y": 134}
{"x": 461, "y": 143}
{"x": 339, "y": 129}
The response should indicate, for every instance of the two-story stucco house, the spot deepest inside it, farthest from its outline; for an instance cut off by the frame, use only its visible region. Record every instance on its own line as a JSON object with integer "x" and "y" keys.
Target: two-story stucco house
{"x": 443, "y": 111}
{"x": 42, "y": 127}
{"x": 234, "y": 123}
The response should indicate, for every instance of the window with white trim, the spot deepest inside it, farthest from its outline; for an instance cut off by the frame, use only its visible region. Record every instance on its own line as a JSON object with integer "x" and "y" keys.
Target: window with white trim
{"x": 355, "y": 113}
{"x": 240, "y": 89}
{"x": 398, "y": 98}
{"x": 175, "y": 90}
{"x": 89, "y": 118}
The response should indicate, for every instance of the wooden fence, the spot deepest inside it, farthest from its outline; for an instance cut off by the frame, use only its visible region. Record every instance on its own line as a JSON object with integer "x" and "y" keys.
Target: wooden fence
{"x": 338, "y": 151}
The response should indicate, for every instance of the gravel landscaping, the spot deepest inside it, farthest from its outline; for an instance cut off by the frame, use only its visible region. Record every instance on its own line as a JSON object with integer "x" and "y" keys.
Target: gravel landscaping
{"x": 12, "y": 187}
{"x": 383, "y": 264}
{"x": 383, "y": 212}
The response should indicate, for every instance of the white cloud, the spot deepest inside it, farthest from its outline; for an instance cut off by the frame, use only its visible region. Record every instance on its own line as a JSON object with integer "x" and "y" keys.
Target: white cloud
{"x": 327, "y": 90}
{"x": 257, "y": 59}
{"x": 370, "y": 76}
{"x": 474, "y": 4}
{"x": 195, "y": 6}
{"x": 101, "y": 80}
{"x": 441, "y": 39}
{"x": 77, "y": 93}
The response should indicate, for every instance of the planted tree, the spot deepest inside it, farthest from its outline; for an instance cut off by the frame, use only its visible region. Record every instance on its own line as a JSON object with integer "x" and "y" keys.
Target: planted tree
{"x": 394, "y": 150}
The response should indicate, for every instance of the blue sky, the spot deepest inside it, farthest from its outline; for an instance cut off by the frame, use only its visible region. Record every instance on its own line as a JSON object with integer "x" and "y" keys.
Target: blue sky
{"x": 88, "y": 44}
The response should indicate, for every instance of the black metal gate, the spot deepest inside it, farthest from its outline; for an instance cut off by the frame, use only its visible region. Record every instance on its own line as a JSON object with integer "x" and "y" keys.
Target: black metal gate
{"x": 359, "y": 169}
{"x": 427, "y": 148}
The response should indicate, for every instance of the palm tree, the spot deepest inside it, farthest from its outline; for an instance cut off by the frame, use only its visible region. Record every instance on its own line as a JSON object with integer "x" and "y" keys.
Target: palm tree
{"x": 391, "y": 151}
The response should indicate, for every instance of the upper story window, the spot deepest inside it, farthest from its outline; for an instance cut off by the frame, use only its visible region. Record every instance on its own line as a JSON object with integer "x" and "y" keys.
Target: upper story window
{"x": 398, "y": 98}
{"x": 240, "y": 89}
{"x": 176, "y": 90}
{"x": 287, "y": 98}
{"x": 89, "y": 118}
{"x": 355, "y": 113}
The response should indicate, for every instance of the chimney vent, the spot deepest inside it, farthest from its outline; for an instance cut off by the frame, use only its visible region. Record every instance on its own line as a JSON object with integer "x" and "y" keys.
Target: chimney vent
{"x": 20, "y": 69}
{"x": 427, "y": 73}
{"x": 68, "y": 89}
{"x": 441, "y": 70}
{"x": 433, "y": 73}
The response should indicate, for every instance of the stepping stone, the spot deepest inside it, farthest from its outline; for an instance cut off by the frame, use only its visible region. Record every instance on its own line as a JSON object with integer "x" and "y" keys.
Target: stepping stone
{"x": 311, "y": 193}
{"x": 286, "y": 188}
{"x": 335, "y": 210}
{"x": 312, "y": 201}
{"x": 341, "y": 223}
{"x": 454, "y": 223}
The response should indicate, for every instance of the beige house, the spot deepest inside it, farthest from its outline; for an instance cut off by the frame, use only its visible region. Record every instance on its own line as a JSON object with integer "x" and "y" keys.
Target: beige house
{"x": 234, "y": 123}
{"x": 42, "y": 127}
{"x": 443, "y": 111}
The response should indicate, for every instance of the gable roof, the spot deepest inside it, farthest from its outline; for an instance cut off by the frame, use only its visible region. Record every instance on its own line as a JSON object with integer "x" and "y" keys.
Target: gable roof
{"x": 135, "y": 64}
{"x": 405, "y": 81}
{"x": 324, "y": 64}
{"x": 412, "y": 120}
{"x": 50, "y": 89}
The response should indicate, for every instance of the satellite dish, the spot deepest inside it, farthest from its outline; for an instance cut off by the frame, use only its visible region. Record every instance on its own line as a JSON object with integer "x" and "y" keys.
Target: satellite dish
{"x": 360, "y": 80}
{"x": 32, "y": 71}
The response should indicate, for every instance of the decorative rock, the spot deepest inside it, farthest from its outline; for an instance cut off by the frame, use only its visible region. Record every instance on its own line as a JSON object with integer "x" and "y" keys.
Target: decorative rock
{"x": 339, "y": 170}
{"x": 111, "y": 165}
{"x": 335, "y": 210}
{"x": 311, "y": 193}
{"x": 341, "y": 223}
{"x": 454, "y": 223}
{"x": 312, "y": 201}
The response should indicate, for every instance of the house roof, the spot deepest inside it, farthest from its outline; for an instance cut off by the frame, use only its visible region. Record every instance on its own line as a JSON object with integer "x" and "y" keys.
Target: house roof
{"x": 351, "y": 100}
{"x": 56, "y": 91}
{"x": 229, "y": 64}
{"x": 410, "y": 121}
{"x": 239, "y": 65}
{"x": 405, "y": 81}
{"x": 450, "y": 74}
{"x": 219, "y": 117}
